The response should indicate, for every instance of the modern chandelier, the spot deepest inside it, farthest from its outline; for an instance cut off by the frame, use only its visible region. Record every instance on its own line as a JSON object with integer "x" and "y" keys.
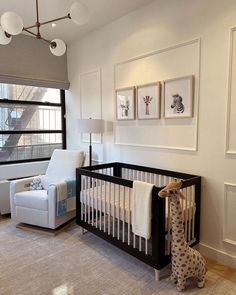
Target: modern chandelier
{"x": 12, "y": 24}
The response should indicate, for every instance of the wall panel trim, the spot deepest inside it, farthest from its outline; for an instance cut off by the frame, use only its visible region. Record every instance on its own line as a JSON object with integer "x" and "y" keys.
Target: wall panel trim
{"x": 225, "y": 238}
{"x": 227, "y": 149}
{"x": 196, "y": 94}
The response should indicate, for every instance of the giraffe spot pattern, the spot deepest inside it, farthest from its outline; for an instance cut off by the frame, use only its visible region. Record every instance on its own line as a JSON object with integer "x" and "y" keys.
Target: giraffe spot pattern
{"x": 186, "y": 262}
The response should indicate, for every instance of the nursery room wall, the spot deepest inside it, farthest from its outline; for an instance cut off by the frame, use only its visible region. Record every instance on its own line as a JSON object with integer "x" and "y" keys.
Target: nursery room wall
{"x": 164, "y": 40}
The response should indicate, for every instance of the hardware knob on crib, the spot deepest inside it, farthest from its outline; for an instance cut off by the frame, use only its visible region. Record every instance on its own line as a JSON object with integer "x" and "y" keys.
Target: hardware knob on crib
{"x": 186, "y": 262}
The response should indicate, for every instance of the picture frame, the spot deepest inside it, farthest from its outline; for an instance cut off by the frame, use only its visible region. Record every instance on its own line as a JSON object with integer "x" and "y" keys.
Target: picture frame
{"x": 148, "y": 101}
{"x": 125, "y": 104}
{"x": 178, "y": 97}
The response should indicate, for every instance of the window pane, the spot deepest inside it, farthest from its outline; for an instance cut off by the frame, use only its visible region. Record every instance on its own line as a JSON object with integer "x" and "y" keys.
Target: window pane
{"x": 29, "y": 93}
{"x": 15, "y": 147}
{"x": 15, "y": 117}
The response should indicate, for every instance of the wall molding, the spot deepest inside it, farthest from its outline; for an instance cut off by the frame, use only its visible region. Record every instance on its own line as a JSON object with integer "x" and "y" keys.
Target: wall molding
{"x": 230, "y": 74}
{"x": 99, "y": 71}
{"x": 225, "y": 238}
{"x": 196, "y": 95}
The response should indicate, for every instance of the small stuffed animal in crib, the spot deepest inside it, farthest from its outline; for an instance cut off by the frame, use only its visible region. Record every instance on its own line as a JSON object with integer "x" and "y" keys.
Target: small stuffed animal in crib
{"x": 186, "y": 261}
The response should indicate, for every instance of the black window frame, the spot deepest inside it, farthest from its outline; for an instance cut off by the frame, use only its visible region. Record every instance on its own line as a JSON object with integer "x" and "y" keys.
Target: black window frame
{"x": 62, "y": 104}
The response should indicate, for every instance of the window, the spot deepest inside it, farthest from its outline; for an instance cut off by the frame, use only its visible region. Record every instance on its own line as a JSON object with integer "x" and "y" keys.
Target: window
{"x": 32, "y": 123}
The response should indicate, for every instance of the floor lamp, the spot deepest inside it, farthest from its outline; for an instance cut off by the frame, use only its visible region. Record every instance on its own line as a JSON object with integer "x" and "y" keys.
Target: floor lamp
{"x": 90, "y": 126}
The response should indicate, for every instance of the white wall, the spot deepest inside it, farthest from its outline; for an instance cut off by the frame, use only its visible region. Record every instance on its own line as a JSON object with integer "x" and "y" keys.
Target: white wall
{"x": 159, "y": 25}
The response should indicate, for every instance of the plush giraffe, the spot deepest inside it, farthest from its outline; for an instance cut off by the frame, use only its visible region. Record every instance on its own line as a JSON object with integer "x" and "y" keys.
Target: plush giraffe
{"x": 186, "y": 262}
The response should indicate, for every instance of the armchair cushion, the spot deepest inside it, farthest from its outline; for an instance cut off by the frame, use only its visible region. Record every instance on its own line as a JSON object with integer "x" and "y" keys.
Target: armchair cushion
{"x": 63, "y": 163}
{"x": 37, "y": 199}
{"x": 48, "y": 180}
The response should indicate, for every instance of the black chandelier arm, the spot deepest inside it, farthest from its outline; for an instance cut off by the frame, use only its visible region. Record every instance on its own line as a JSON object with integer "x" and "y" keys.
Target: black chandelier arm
{"x": 50, "y": 21}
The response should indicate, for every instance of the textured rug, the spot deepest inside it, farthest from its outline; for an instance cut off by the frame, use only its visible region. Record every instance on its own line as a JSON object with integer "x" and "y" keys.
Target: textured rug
{"x": 71, "y": 263}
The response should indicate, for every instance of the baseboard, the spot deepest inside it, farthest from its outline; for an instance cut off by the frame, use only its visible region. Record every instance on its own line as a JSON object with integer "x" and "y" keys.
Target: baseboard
{"x": 217, "y": 255}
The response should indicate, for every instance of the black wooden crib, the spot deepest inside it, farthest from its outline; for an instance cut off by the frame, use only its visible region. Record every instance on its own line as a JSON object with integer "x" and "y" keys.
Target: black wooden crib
{"x": 103, "y": 207}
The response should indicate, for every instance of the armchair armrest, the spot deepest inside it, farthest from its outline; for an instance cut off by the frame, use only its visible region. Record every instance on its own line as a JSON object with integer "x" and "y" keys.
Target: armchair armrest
{"x": 21, "y": 185}
{"x": 17, "y": 186}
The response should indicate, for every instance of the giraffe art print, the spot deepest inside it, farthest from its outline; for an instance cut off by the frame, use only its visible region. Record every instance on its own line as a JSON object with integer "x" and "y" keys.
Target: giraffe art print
{"x": 147, "y": 100}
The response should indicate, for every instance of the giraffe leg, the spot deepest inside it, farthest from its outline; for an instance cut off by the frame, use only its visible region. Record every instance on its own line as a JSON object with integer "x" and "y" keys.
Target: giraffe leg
{"x": 201, "y": 281}
{"x": 173, "y": 278}
{"x": 181, "y": 284}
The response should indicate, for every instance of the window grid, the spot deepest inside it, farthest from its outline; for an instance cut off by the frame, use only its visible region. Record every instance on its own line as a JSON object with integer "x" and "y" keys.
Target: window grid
{"x": 30, "y": 126}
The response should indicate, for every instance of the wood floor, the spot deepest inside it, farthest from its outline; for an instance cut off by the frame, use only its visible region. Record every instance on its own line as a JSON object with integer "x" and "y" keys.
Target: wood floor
{"x": 222, "y": 270}
{"x": 70, "y": 263}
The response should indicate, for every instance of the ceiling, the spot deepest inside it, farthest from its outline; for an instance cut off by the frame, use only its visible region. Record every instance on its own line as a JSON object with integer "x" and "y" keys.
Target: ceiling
{"x": 102, "y": 12}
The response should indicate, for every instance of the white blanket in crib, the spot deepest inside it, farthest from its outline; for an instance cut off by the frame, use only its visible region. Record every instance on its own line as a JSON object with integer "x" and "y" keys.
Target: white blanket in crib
{"x": 142, "y": 209}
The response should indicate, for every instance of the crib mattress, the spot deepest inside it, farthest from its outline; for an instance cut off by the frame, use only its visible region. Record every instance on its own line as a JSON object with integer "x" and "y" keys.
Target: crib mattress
{"x": 116, "y": 201}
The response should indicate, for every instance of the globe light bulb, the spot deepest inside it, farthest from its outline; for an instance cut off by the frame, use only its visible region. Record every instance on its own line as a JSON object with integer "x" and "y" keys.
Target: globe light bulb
{"x": 57, "y": 47}
{"x": 79, "y": 13}
{"x": 4, "y": 39}
{"x": 12, "y": 23}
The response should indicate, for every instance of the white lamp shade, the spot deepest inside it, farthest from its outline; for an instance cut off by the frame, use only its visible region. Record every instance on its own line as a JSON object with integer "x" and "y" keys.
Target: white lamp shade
{"x": 12, "y": 23}
{"x": 59, "y": 49}
{"x": 90, "y": 125}
{"x": 79, "y": 13}
{"x": 4, "y": 40}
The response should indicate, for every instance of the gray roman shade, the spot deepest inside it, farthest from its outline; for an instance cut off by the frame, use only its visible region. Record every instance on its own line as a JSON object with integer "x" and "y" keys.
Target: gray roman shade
{"x": 28, "y": 61}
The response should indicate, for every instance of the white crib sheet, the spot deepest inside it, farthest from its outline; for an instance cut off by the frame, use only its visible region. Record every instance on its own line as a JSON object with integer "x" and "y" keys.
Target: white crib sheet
{"x": 116, "y": 201}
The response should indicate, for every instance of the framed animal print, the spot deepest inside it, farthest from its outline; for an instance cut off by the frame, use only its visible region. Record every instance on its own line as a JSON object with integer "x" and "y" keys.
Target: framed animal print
{"x": 148, "y": 101}
{"x": 125, "y": 104}
{"x": 178, "y": 97}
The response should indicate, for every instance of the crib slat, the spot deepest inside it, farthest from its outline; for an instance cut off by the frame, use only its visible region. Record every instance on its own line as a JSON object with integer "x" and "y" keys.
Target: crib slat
{"x": 89, "y": 196}
{"x": 185, "y": 209}
{"x": 118, "y": 234}
{"x": 105, "y": 202}
{"x": 86, "y": 202}
{"x": 82, "y": 198}
{"x": 168, "y": 227}
{"x": 194, "y": 211}
{"x": 114, "y": 211}
{"x": 93, "y": 184}
{"x": 129, "y": 217}
{"x": 189, "y": 211}
{"x": 97, "y": 193}
{"x": 100, "y": 213}
{"x": 123, "y": 229}
{"x": 140, "y": 243}
{"x": 109, "y": 212}
{"x": 145, "y": 178}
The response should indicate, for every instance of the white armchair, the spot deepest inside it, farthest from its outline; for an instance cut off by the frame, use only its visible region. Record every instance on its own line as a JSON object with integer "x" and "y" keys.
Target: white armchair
{"x": 38, "y": 207}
